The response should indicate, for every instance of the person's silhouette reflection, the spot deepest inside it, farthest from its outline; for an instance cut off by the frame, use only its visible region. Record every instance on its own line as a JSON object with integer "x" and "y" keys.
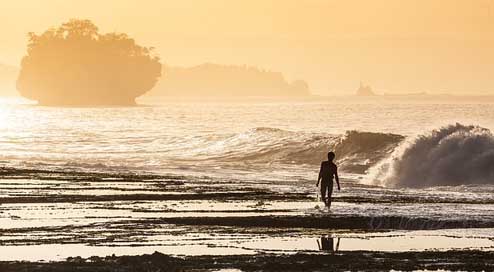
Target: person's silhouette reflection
{"x": 327, "y": 244}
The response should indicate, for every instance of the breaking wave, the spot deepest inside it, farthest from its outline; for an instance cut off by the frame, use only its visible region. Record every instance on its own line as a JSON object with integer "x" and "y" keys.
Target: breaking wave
{"x": 258, "y": 147}
{"x": 356, "y": 150}
{"x": 449, "y": 156}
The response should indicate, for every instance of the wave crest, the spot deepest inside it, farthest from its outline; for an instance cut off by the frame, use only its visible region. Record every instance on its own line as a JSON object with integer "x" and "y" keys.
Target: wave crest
{"x": 449, "y": 156}
{"x": 356, "y": 151}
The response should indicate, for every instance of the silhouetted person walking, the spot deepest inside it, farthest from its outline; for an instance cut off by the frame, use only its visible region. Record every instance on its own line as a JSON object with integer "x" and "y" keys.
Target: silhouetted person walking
{"x": 328, "y": 171}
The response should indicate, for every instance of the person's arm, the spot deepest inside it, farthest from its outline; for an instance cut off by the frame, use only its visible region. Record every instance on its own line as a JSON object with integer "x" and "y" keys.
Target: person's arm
{"x": 319, "y": 177}
{"x": 337, "y": 178}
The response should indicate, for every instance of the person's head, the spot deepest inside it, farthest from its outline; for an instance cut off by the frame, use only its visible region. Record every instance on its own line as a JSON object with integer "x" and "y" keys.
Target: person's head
{"x": 331, "y": 156}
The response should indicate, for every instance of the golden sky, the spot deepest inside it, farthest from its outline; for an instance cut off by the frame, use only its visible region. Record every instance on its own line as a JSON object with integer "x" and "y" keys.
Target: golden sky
{"x": 395, "y": 45}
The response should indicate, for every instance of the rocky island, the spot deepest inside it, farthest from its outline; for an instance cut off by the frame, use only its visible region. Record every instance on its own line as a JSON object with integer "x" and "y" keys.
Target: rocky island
{"x": 365, "y": 90}
{"x": 75, "y": 65}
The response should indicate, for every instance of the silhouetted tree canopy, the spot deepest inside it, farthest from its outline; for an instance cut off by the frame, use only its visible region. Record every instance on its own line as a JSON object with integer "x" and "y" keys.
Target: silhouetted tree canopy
{"x": 76, "y": 65}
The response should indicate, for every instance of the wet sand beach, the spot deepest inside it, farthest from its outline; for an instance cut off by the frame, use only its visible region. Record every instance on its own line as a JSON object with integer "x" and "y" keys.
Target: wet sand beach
{"x": 59, "y": 220}
{"x": 354, "y": 261}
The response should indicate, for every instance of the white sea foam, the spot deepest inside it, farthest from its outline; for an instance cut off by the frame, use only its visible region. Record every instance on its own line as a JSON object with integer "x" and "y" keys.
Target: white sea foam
{"x": 452, "y": 155}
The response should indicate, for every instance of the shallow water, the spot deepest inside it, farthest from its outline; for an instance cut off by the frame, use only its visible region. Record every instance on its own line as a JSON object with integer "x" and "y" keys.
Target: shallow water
{"x": 61, "y": 218}
{"x": 194, "y": 244}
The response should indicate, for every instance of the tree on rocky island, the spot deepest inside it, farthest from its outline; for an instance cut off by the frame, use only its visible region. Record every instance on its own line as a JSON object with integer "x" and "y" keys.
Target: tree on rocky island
{"x": 75, "y": 65}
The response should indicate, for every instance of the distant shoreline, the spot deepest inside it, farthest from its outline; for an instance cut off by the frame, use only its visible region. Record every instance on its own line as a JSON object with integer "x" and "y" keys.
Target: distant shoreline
{"x": 149, "y": 100}
{"x": 324, "y": 98}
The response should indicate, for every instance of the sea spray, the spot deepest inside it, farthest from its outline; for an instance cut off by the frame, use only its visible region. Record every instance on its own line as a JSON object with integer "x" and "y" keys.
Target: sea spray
{"x": 450, "y": 156}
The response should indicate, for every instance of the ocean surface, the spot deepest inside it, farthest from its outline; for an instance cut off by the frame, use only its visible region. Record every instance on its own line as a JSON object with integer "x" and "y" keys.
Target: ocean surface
{"x": 257, "y": 139}
{"x": 430, "y": 164}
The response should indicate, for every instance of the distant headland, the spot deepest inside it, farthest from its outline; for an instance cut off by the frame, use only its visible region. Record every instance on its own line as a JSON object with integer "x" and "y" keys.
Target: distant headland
{"x": 215, "y": 80}
{"x": 74, "y": 65}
